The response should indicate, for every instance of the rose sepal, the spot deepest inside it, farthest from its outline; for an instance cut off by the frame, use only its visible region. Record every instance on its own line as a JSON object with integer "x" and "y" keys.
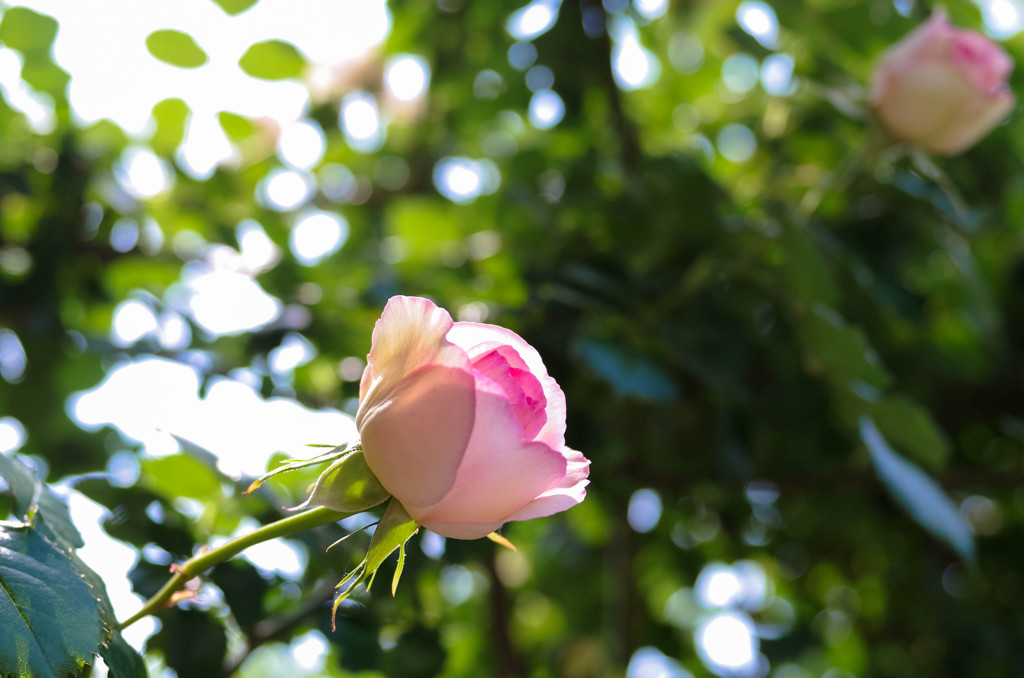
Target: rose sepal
{"x": 395, "y": 528}
{"x": 347, "y": 485}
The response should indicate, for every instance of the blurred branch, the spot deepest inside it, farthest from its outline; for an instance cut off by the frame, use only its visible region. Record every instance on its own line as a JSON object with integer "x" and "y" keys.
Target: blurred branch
{"x": 278, "y": 626}
{"x": 508, "y": 662}
{"x": 629, "y": 144}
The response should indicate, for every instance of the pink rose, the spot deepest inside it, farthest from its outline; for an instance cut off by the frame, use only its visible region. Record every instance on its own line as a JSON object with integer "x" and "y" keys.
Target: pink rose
{"x": 461, "y": 423}
{"x": 942, "y": 88}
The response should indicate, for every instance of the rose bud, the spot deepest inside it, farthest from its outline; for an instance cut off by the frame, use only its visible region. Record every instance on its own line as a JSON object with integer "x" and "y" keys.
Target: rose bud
{"x": 942, "y": 88}
{"x": 461, "y": 423}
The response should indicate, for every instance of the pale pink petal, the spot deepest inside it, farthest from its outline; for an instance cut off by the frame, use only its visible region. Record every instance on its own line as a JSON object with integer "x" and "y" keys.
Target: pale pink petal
{"x": 923, "y": 107}
{"x": 410, "y": 333}
{"x": 976, "y": 118}
{"x": 415, "y": 436}
{"x": 500, "y": 473}
{"x": 462, "y": 530}
{"x": 571, "y": 491}
{"x": 477, "y": 339}
{"x": 932, "y": 40}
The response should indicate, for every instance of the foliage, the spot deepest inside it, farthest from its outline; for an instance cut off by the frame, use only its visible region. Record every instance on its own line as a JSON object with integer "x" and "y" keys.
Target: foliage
{"x": 804, "y": 361}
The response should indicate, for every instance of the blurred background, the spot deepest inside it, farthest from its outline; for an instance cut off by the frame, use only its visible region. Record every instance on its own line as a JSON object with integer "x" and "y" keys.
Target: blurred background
{"x": 806, "y": 425}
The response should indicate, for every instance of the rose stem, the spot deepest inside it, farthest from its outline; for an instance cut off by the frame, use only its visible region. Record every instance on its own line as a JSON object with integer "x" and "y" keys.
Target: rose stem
{"x": 204, "y": 560}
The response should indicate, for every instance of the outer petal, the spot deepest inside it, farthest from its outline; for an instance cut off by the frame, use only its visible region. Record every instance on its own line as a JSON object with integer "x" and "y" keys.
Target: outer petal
{"x": 929, "y": 41}
{"x": 477, "y": 339}
{"x": 410, "y": 333}
{"x": 463, "y": 530}
{"x": 976, "y": 120}
{"x": 415, "y": 434}
{"x": 984, "y": 62}
{"x": 500, "y": 473}
{"x": 925, "y": 104}
{"x": 571, "y": 491}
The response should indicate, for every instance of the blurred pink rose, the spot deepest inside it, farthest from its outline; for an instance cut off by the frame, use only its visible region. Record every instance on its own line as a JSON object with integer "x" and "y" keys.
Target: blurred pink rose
{"x": 942, "y": 88}
{"x": 461, "y": 423}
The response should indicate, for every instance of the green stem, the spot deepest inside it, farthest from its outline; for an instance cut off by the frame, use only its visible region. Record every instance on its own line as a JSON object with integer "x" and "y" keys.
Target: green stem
{"x": 843, "y": 174}
{"x": 204, "y": 560}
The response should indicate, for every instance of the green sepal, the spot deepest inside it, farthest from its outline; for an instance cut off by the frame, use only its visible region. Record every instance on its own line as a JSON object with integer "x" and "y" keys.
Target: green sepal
{"x": 293, "y": 464}
{"x": 395, "y": 528}
{"x": 348, "y": 485}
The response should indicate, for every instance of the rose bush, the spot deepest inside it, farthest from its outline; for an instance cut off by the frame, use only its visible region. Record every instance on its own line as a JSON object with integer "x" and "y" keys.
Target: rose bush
{"x": 942, "y": 88}
{"x": 461, "y": 423}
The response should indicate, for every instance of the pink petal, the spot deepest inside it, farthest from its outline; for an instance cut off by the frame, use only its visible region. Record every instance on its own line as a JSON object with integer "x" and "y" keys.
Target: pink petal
{"x": 410, "y": 333}
{"x": 462, "y": 530}
{"x": 523, "y": 390}
{"x": 415, "y": 435}
{"x": 571, "y": 491}
{"x": 476, "y": 339}
{"x": 500, "y": 473}
{"x": 932, "y": 40}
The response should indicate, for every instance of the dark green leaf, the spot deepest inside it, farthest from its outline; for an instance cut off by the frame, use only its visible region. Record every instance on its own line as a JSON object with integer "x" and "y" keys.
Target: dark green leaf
{"x": 193, "y": 643}
{"x": 418, "y": 654}
{"x": 804, "y": 269}
{"x": 29, "y": 492}
{"x": 120, "y": 657}
{"x": 175, "y": 48}
{"x": 629, "y": 375}
{"x": 839, "y": 352}
{"x": 49, "y": 616}
{"x": 273, "y": 60}
{"x": 918, "y": 493}
{"x": 911, "y": 428}
{"x": 243, "y": 589}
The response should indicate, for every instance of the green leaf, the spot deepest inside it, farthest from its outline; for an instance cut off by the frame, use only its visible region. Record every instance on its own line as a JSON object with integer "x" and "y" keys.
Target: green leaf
{"x": 46, "y": 76}
{"x": 235, "y": 126}
{"x": 180, "y": 475}
{"x": 273, "y": 60}
{"x": 919, "y": 495}
{"x": 348, "y": 485}
{"x": 120, "y": 657}
{"x": 803, "y": 268}
{"x": 49, "y": 617}
{"x": 30, "y": 494}
{"x": 170, "y": 116}
{"x": 629, "y": 374}
{"x": 175, "y": 48}
{"x": 27, "y": 31}
{"x": 911, "y": 428}
{"x": 839, "y": 352}
{"x": 193, "y": 643}
{"x": 47, "y": 517}
{"x": 233, "y": 7}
